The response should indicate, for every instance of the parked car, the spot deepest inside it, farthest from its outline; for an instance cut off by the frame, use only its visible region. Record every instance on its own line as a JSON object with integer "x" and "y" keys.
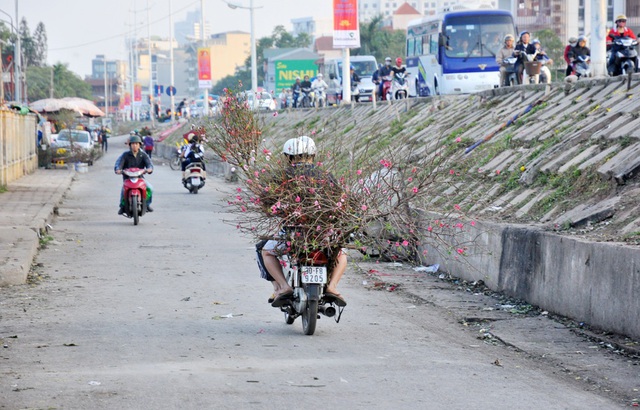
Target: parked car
{"x": 80, "y": 138}
{"x": 76, "y": 145}
{"x": 265, "y": 101}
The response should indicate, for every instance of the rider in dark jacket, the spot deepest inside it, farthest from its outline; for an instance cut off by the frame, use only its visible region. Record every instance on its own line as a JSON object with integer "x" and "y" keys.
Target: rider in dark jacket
{"x": 134, "y": 158}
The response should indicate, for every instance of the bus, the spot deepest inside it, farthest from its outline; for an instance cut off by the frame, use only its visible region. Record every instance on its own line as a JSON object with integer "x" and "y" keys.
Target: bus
{"x": 454, "y": 53}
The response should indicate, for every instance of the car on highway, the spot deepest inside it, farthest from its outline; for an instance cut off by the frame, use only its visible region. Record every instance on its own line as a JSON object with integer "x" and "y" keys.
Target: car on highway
{"x": 79, "y": 144}
{"x": 265, "y": 101}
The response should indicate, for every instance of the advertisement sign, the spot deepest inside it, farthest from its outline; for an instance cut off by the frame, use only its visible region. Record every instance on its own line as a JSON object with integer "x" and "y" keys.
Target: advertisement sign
{"x": 346, "y": 33}
{"x": 204, "y": 68}
{"x": 137, "y": 94}
{"x": 288, "y": 70}
{"x": 125, "y": 103}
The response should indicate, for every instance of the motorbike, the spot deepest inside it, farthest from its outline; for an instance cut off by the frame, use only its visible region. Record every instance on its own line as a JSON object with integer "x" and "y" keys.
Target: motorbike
{"x": 512, "y": 77}
{"x": 307, "y": 275}
{"x": 387, "y": 82}
{"x": 532, "y": 67}
{"x": 355, "y": 92}
{"x": 194, "y": 176}
{"x": 399, "y": 87}
{"x": 135, "y": 194}
{"x": 582, "y": 67}
{"x": 306, "y": 97}
{"x": 176, "y": 161}
{"x": 320, "y": 97}
{"x": 626, "y": 57}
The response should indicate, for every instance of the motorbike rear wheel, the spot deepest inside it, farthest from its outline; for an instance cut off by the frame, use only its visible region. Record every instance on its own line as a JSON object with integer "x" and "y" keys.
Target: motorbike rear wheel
{"x": 310, "y": 317}
{"x": 194, "y": 190}
{"x": 175, "y": 163}
{"x": 134, "y": 210}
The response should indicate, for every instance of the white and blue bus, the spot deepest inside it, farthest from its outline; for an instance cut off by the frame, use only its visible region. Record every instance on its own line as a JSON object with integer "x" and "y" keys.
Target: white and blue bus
{"x": 454, "y": 53}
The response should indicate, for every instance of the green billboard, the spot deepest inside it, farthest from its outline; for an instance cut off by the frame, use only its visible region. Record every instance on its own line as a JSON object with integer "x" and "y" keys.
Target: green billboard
{"x": 288, "y": 70}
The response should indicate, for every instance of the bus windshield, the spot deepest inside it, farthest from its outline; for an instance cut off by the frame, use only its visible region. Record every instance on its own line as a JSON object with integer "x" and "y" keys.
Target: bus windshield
{"x": 475, "y": 36}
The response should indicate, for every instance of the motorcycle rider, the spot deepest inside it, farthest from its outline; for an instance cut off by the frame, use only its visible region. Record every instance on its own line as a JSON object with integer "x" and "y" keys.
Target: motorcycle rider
{"x": 521, "y": 49}
{"x": 194, "y": 152}
{"x": 319, "y": 85}
{"x": 573, "y": 41}
{"x": 300, "y": 153}
{"x": 296, "y": 88}
{"x": 383, "y": 72}
{"x": 305, "y": 86}
{"x": 399, "y": 67}
{"x": 620, "y": 30}
{"x": 580, "y": 50}
{"x": 542, "y": 57}
{"x": 505, "y": 52}
{"x": 355, "y": 80}
{"x": 134, "y": 158}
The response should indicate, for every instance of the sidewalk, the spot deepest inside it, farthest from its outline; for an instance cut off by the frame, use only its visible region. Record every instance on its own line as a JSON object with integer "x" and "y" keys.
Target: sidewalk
{"x": 25, "y": 210}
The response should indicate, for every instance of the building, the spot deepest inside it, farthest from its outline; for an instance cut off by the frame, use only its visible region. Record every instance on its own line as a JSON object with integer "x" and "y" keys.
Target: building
{"x": 315, "y": 28}
{"x": 110, "y": 89}
{"x": 401, "y": 17}
{"x": 570, "y": 17}
{"x": 188, "y": 30}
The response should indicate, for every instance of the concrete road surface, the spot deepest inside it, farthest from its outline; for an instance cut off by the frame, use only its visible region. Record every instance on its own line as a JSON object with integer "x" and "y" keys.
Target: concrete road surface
{"x": 172, "y": 314}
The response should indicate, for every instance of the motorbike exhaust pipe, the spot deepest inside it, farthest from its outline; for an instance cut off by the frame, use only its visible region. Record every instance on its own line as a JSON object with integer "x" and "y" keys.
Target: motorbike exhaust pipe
{"x": 328, "y": 311}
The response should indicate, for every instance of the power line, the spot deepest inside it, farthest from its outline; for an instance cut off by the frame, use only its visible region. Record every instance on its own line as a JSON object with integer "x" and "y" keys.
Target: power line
{"x": 123, "y": 35}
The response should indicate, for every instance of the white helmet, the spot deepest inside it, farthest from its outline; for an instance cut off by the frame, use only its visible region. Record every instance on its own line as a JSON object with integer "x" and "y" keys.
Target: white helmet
{"x": 299, "y": 146}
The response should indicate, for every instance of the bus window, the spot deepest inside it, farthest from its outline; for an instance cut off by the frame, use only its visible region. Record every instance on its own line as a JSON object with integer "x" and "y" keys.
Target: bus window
{"x": 475, "y": 38}
{"x": 419, "y": 43}
{"x": 411, "y": 42}
{"x": 433, "y": 44}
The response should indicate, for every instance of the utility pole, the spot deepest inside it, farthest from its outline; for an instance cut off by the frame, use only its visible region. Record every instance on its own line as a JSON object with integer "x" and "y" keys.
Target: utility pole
{"x": 205, "y": 103}
{"x": 152, "y": 111}
{"x": 16, "y": 61}
{"x": 598, "y": 38}
{"x": 171, "y": 80}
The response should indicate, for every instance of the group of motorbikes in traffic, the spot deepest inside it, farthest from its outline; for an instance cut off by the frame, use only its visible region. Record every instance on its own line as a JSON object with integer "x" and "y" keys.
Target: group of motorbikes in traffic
{"x": 527, "y": 63}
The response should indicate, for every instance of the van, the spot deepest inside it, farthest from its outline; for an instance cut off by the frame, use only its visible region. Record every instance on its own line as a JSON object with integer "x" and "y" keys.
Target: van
{"x": 364, "y": 66}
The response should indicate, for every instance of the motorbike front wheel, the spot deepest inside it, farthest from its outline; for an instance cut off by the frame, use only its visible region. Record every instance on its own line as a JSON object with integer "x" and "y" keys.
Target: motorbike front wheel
{"x": 134, "y": 210}
{"x": 310, "y": 317}
{"x": 175, "y": 163}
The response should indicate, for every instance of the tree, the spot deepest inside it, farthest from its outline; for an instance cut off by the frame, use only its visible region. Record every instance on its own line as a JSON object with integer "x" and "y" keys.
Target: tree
{"x": 380, "y": 42}
{"x": 65, "y": 83}
{"x": 40, "y": 44}
{"x": 552, "y": 45}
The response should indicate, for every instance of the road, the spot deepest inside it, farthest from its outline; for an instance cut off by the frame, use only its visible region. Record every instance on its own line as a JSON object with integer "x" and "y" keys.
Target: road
{"x": 172, "y": 314}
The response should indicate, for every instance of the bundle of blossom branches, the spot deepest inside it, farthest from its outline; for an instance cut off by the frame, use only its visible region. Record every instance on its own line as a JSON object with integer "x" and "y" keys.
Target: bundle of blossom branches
{"x": 373, "y": 204}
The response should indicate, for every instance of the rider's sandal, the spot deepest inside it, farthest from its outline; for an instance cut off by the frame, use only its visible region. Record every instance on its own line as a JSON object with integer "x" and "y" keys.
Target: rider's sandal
{"x": 337, "y": 299}
{"x": 271, "y": 298}
{"x": 282, "y": 298}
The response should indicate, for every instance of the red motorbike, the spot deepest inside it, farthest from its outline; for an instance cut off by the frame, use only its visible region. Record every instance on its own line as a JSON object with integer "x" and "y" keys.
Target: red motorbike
{"x": 387, "y": 82}
{"x": 135, "y": 194}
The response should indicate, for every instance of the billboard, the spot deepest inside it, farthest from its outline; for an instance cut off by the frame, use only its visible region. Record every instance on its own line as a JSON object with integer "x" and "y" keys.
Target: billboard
{"x": 288, "y": 70}
{"x": 204, "y": 68}
{"x": 137, "y": 94}
{"x": 346, "y": 33}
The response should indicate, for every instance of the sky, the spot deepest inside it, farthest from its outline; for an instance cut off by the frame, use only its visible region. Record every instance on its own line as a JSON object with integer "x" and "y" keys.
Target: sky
{"x": 78, "y": 30}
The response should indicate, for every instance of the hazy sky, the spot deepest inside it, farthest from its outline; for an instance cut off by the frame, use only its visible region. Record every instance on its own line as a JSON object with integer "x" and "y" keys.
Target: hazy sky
{"x": 77, "y": 30}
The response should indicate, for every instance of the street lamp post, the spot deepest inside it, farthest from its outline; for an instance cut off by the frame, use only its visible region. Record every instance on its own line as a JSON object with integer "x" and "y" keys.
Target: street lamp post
{"x": 151, "y": 92}
{"x": 205, "y": 102}
{"x": 254, "y": 64}
{"x": 173, "y": 101}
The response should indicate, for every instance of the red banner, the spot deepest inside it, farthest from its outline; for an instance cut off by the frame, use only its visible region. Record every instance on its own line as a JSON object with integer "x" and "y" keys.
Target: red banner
{"x": 137, "y": 94}
{"x": 346, "y": 33}
{"x": 204, "y": 68}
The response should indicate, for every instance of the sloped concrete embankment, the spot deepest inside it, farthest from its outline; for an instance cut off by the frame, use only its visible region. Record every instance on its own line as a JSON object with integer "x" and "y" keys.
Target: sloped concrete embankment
{"x": 554, "y": 162}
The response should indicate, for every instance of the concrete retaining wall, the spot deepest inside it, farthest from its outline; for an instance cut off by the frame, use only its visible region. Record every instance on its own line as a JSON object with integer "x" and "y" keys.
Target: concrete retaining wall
{"x": 593, "y": 282}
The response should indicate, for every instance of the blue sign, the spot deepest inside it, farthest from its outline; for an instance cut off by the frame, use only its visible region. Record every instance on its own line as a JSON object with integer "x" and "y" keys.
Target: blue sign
{"x": 158, "y": 89}
{"x": 171, "y": 90}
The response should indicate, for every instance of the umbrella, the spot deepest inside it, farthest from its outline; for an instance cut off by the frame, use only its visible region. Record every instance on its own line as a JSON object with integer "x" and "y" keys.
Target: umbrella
{"x": 79, "y": 105}
{"x": 88, "y": 108}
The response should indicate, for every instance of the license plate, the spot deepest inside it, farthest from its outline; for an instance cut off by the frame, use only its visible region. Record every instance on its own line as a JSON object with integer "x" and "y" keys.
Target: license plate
{"x": 314, "y": 274}
{"x": 195, "y": 181}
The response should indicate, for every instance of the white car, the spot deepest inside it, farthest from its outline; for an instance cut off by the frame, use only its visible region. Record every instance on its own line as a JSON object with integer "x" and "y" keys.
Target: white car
{"x": 265, "y": 101}
{"x": 78, "y": 138}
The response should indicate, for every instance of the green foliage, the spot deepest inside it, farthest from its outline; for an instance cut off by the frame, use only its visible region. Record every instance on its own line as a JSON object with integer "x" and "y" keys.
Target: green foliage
{"x": 380, "y": 43}
{"x": 65, "y": 83}
{"x": 552, "y": 45}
